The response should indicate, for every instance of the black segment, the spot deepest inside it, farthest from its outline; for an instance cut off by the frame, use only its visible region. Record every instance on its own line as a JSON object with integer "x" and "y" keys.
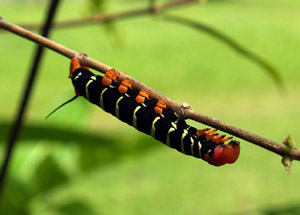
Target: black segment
{"x": 127, "y": 107}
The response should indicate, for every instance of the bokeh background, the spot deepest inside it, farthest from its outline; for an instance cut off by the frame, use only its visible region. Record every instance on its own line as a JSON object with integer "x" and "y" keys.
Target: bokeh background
{"x": 84, "y": 161}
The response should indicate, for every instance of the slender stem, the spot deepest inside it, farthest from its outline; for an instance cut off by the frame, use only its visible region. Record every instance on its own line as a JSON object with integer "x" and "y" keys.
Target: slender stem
{"x": 115, "y": 16}
{"x": 27, "y": 93}
{"x": 181, "y": 110}
{"x": 238, "y": 132}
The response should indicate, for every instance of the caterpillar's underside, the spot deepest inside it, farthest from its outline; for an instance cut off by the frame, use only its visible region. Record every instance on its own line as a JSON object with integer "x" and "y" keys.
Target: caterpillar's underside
{"x": 151, "y": 117}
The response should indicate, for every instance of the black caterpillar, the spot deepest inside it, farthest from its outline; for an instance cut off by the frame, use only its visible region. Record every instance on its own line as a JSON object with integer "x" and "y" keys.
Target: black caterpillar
{"x": 151, "y": 117}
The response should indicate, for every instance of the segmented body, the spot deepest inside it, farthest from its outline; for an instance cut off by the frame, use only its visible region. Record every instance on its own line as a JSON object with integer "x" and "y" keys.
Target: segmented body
{"x": 148, "y": 116}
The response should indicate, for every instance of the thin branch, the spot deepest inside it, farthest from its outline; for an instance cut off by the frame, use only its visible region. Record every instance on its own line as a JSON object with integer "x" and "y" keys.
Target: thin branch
{"x": 115, "y": 16}
{"x": 183, "y": 111}
{"x": 53, "y": 5}
{"x": 154, "y": 9}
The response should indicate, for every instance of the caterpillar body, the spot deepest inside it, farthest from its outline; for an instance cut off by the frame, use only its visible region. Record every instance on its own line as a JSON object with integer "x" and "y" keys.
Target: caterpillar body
{"x": 151, "y": 117}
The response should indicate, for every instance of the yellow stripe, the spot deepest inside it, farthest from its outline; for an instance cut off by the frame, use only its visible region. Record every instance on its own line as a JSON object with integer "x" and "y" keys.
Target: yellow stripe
{"x": 185, "y": 132}
{"x": 134, "y": 116}
{"x": 192, "y": 147}
{"x": 199, "y": 145}
{"x": 168, "y": 136}
{"x": 174, "y": 125}
{"x": 153, "y": 126}
{"x": 87, "y": 90}
{"x": 117, "y": 112}
{"x": 79, "y": 74}
{"x": 101, "y": 98}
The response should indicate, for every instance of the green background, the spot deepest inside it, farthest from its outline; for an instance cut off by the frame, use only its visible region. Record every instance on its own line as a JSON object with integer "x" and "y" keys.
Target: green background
{"x": 84, "y": 161}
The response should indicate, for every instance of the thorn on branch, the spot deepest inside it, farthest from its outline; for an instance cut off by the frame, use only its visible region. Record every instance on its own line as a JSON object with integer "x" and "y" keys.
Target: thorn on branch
{"x": 289, "y": 144}
{"x": 81, "y": 55}
{"x": 287, "y": 163}
{"x": 186, "y": 106}
{"x": 182, "y": 110}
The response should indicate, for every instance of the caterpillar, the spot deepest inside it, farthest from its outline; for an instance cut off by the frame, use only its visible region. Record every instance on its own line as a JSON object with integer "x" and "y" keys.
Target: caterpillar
{"x": 150, "y": 116}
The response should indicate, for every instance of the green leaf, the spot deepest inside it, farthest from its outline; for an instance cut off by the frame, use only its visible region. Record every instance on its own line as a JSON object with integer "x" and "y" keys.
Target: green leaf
{"x": 15, "y": 197}
{"x": 75, "y": 207}
{"x": 96, "y": 6}
{"x": 48, "y": 175}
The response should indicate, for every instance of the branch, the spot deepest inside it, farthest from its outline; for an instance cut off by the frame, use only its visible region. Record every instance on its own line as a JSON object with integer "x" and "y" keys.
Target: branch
{"x": 184, "y": 111}
{"x": 154, "y": 9}
{"x": 115, "y": 16}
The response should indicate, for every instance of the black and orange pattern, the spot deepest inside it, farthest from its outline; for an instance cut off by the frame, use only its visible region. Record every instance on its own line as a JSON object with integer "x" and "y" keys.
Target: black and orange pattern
{"x": 151, "y": 117}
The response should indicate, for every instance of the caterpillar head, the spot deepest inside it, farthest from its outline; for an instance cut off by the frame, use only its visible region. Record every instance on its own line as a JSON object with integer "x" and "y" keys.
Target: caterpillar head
{"x": 224, "y": 154}
{"x": 74, "y": 65}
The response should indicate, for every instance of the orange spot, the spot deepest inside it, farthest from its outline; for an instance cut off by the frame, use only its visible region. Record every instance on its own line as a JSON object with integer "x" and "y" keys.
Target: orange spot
{"x": 85, "y": 67}
{"x": 226, "y": 139}
{"x": 201, "y": 132}
{"x": 75, "y": 64}
{"x": 139, "y": 99}
{"x": 218, "y": 138}
{"x": 127, "y": 82}
{"x": 122, "y": 89}
{"x": 112, "y": 74}
{"x": 210, "y": 137}
{"x": 210, "y": 131}
{"x": 106, "y": 81}
{"x": 158, "y": 110}
{"x": 145, "y": 93}
{"x": 162, "y": 103}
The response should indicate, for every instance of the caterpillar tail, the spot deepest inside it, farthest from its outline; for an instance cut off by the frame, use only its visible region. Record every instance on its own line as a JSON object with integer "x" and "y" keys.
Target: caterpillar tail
{"x": 70, "y": 100}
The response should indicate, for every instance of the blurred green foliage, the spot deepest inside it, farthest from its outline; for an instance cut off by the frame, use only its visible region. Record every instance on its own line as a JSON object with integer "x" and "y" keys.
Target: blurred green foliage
{"x": 96, "y": 6}
{"x": 84, "y": 161}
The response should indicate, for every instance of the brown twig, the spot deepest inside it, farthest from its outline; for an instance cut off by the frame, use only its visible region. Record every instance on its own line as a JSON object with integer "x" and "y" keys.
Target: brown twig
{"x": 182, "y": 110}
{"x": 114, "y": 16}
